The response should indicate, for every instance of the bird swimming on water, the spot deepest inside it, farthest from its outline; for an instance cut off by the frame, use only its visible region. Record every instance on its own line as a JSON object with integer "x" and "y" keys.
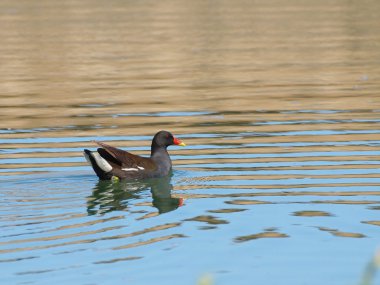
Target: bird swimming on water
{"x": 109, "y": 161}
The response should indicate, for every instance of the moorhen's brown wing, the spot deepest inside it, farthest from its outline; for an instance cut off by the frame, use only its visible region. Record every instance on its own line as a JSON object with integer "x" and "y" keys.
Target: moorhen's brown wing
{"x": 124, "y": 159}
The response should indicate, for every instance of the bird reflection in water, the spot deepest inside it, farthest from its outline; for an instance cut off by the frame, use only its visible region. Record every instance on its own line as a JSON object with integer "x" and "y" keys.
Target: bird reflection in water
{"x": 108, "y": 196}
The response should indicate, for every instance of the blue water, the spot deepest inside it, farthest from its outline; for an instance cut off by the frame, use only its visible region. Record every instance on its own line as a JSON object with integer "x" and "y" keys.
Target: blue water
{"x": 64, "y": 226}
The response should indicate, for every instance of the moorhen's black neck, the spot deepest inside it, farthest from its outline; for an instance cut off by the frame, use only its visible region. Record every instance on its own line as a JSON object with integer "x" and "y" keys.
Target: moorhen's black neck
{"x": 160, "y": 156}
{"x": 157, "y": 149}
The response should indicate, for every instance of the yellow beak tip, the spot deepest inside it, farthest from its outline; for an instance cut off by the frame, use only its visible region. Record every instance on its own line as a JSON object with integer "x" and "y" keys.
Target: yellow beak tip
{"x": 182, "y": 144}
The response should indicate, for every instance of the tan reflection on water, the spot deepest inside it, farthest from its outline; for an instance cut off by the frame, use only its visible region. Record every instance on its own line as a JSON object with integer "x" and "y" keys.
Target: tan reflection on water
{"x": 60, "y": 238}
{"x": 338, "y": 233}
{"x": 208, "y": 219}
{"x": 312, "y": 214}
{"x": 267, "y": 234}
{"x": 375, "y": 223}
{"x": 79, "y": 63}
{"x": 117, "y": 260}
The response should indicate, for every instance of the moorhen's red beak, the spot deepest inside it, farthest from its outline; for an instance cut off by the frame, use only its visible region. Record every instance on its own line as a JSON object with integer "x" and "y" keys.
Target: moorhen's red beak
{"x": 178, "y": 142}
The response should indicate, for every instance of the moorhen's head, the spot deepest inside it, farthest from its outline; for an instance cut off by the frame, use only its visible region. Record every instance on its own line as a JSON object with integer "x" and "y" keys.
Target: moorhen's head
{"x": 164, "y": 139}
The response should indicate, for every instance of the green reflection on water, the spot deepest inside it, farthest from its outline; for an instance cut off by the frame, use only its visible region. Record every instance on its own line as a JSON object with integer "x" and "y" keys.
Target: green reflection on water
{"x": 110, "y": 196}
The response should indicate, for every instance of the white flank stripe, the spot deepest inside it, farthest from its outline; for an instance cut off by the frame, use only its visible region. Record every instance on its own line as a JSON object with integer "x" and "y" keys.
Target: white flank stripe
{"x": 101, "y": 162}
{"x": 140, "y": 167}
{"x": 130, "y": 169}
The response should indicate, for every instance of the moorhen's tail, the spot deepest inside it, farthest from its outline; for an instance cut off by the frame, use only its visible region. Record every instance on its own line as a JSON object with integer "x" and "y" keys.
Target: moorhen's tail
{"x": 101, "y": 167}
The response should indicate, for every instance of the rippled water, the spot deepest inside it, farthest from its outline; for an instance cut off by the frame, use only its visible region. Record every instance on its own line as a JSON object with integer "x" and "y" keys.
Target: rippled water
{"x": 278, "y": 103}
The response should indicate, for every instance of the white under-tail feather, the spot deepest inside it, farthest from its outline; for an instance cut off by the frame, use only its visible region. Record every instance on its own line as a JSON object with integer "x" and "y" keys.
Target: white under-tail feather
{"x": 100, "y": 161}
{"x": 87, "y": 158}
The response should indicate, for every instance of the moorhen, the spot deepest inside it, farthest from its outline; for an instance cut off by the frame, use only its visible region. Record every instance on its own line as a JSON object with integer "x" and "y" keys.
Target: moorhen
{"x": 109, "y": 161}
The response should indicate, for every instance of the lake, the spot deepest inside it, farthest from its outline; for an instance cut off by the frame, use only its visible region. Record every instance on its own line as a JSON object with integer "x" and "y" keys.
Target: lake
{"x": 277, "y": 101}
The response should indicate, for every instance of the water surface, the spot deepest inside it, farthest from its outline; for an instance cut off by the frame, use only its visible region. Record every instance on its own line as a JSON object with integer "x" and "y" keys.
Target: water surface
{"x": 278, "y": 103}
